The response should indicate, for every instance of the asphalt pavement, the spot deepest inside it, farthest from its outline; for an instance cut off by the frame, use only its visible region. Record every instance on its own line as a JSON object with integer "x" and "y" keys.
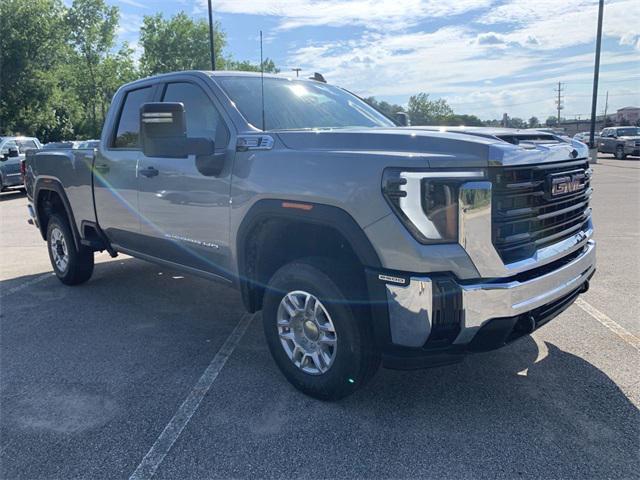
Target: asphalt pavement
{"x": 147, "y": 370}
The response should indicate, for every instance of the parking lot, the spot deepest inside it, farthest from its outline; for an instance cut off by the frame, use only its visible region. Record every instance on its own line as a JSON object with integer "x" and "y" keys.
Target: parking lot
{"x": 104, "y": 379}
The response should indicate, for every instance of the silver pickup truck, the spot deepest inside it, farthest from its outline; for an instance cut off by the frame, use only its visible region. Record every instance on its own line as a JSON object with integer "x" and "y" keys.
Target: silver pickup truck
{"x": 360, "y": 241}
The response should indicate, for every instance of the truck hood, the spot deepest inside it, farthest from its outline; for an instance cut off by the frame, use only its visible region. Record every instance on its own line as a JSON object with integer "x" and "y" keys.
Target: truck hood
{"x": 439, "y": 148}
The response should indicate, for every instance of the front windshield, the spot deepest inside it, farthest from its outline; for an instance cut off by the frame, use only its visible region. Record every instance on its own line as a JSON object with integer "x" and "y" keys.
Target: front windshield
{"x": 293, "y": 104}
{"x": 629, "y": 132}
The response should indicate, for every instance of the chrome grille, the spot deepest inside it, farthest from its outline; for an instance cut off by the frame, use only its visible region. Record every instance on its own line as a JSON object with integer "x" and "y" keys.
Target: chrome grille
{"x": 525, "y": 217}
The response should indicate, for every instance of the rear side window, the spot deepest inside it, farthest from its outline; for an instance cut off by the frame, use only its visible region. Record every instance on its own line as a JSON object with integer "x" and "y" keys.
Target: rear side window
{"x": 203, "y": 119}
{"x": 128, "y": 132}
{"x": 26, "y": 144}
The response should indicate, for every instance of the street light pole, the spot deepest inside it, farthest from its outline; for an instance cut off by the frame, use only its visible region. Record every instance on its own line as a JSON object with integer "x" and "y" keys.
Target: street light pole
{"x": 297, "y": 70}
{"x": 596, "y": 74}
{"x": 211, "y": 43}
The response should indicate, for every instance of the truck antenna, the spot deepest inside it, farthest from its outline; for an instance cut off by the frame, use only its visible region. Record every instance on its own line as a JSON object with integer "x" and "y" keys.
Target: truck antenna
{"x": 262, "y": 82}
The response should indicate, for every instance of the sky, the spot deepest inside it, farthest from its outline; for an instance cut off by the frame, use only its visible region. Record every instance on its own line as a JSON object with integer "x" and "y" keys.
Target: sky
{"x": 485, "y": 57}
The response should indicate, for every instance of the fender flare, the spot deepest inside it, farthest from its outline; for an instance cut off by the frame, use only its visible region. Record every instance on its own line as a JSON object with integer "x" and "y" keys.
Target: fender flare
{"x": 318, "y": 214}
{"x": 54, "y": 185}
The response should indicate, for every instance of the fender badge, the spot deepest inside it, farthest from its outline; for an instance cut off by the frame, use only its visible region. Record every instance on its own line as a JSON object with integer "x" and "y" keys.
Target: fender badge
{"x": 388, "y": 278}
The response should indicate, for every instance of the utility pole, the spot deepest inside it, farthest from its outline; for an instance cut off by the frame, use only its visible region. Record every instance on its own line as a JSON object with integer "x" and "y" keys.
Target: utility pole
{"x": 211, "y": 42}
{"x": 559, "y": 100}
{"x": 297, "y": 70}
{"x": 596, "y": 74}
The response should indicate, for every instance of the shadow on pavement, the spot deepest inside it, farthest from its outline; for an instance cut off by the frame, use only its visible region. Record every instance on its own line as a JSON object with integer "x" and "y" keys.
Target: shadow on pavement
{"x": 12, "y": 194}
{"x": 135, "y": 338}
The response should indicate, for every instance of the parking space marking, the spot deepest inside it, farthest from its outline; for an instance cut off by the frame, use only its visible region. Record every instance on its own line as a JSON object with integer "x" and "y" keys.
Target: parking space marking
{"x": 174, "y": 428}
{"x": 604, "y": 319}
{"x": 26, "y": 284}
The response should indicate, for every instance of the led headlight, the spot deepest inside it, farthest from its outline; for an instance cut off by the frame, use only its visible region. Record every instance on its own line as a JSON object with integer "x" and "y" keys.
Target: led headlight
{"x": 427, "y": 201}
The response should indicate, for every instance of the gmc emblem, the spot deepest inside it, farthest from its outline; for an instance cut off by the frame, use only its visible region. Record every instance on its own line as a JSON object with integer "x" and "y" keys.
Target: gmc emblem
{"x": 563, "y": 184}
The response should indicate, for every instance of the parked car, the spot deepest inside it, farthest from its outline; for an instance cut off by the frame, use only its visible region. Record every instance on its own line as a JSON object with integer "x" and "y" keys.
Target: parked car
{"x": 583, "y": 137}
{"x": 67, "y": 145}
{"x": 621, "y": 141}
{"x": 88, "y": 144}
{"x": 360, "y": 241}
{"x": 12, "y": 152}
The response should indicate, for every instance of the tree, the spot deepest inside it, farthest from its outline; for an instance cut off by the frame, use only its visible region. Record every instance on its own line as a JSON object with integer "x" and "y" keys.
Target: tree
{"x": 92, "y": 25}
{"x": 178, "y": 43}
{"x": 516, "y": 122}
{"x": 388, "y": 109}
{"x": 551, "y": 121}
{"x": 423, "y": 111}
{"x": 34, "y": 99}
{"x": 534, "y": 122}
{"x": 461, "y": 120}
{"x": 246, "y": 66}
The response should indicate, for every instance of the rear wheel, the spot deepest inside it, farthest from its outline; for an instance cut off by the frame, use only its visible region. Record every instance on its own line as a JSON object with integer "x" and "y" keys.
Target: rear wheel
{"x": 72, "y": 266}
{"x": 620, "y": 155}
{"x": 319, "y": 339}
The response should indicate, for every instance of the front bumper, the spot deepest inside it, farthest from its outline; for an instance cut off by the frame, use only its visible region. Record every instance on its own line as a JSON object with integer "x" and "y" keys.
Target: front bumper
{"x": 489, "y": 314}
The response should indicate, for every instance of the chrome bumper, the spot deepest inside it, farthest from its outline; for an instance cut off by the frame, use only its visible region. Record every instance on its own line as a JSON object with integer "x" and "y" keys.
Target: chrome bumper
{"x": 411, "y": 306}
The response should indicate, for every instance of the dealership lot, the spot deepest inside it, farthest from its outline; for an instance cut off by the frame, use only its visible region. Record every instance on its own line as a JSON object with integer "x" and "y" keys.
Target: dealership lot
{"x": 93, "y": 379}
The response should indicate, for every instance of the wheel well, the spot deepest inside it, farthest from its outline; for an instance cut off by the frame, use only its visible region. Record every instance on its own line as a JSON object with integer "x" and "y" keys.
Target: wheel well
{"x": 275, "y": 242}
{"x": 49, "y": 203}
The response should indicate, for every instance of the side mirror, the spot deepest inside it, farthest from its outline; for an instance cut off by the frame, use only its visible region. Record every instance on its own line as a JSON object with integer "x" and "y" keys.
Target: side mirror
{"x": 163, "y": 133}
{"x": 402, "y": 119}
{"x": 163, "y": 130}
{"x": 13, "y": 152}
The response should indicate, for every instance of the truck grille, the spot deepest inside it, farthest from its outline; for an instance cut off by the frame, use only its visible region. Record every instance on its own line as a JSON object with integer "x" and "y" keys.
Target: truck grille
{"x": 526, "y": 215}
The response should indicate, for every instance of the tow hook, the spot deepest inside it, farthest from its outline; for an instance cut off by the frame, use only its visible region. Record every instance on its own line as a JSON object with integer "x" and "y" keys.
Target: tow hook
{"x": 585, "y": 287}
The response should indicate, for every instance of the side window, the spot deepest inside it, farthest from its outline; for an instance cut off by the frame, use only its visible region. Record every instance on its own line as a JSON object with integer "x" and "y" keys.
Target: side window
{"x": 8, "y": 145}
{"x": 203, "y": 119}
{"x": 25, "y": 145}
{"x": 128, "y": 130}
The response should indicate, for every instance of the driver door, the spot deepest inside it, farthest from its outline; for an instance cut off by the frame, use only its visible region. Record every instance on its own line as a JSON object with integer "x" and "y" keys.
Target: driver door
{"x": 185, "y": 214}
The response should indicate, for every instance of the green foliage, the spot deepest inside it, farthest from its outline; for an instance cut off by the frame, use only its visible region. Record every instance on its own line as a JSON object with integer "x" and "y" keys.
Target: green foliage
{"x": 33, "y": 46}
{"x": 551, "y": 121}
{"x": 178, "y": 43}
{"x": 246, "y": 66}
{"x": 428, "y": 112}
{"x": 516, "y": 122}
{"x": 386, "y": 108}
{"x": 534, "y": 122}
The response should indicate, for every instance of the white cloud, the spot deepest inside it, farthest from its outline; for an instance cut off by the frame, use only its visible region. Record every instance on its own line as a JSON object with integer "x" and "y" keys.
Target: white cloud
{"x": 559, "y": 24}
{"x": 372, "y": 14}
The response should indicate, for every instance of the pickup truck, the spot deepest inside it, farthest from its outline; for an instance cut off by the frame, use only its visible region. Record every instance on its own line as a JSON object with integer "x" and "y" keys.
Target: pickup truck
{"x": 621, "y": 141}
{"x": 361, "y": 242}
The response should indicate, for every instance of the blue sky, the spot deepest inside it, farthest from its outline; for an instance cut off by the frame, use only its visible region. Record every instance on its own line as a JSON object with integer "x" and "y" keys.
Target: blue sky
{"x": 485, "y": 57}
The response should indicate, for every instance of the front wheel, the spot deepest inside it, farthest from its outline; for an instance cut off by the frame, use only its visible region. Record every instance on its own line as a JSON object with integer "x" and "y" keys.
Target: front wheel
{"x": 72, "y": 266}
{"x": 620, "y": 155}
{"x": 322, "y": 342}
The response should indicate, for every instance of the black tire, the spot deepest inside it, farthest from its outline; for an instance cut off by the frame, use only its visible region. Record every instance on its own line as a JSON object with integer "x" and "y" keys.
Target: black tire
{"x": 79, "y": 265}
{"x": 620, "y": 155}
{"x": 356, "y": 357}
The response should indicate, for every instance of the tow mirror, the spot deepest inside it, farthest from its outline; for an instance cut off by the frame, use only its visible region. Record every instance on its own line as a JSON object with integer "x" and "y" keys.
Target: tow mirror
{"x": 163, "y": 133}
{"x": 402, "y": 119}
{"x": 13, "y": 152}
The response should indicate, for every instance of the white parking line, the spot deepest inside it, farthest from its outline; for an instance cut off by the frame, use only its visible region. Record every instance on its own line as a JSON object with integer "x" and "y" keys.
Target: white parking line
{"x": 26, "y": 284}
{"x": 172, "y": 431}
{"x": 604, "y": 319}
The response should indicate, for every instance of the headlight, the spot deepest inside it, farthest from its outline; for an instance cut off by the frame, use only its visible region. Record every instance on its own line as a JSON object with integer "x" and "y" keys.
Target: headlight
{"x": 427, "y": 201}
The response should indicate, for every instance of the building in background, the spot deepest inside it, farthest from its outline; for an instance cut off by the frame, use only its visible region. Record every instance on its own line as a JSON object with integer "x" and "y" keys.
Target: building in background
{"x": 628, "y": 116}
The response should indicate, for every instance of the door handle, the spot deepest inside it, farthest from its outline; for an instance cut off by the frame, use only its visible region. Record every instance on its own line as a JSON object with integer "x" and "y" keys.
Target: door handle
{"x": 149, "y": 172}
{"x": 102, "y": 168}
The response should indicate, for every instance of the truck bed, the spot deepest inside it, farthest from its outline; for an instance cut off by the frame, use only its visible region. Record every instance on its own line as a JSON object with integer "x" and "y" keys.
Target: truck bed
{"x": 72, "y": 170}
